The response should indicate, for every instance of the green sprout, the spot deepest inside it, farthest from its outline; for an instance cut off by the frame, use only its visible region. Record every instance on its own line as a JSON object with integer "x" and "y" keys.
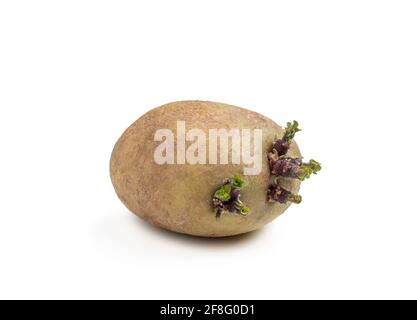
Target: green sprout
{"x": 244, "y": 211}
{"x": 291, "y": 130}
{"x": 307, "y": 169}
{"x": 295, "y": 198}
{"x": 224, "y": 192}
{"x": 238, "y": 182}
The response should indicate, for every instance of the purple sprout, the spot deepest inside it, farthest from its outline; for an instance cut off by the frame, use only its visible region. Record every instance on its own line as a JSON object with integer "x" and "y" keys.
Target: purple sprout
{"x": 278, "y": 194}
{"x": 288, "y": 167}
{"x": 227, "y": 197}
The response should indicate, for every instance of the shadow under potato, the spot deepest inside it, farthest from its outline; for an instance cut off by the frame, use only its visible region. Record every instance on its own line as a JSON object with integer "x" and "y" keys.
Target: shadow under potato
{"x": 196, "y": 240}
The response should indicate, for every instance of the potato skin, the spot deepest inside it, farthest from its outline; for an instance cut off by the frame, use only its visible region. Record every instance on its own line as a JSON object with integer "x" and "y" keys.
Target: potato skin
{"x": 179, "y": 197}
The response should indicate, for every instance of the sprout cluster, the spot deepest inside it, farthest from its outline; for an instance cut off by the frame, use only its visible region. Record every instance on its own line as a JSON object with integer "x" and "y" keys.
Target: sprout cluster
{"x": 287, "y": 167}
{"x": 227, "y": 197}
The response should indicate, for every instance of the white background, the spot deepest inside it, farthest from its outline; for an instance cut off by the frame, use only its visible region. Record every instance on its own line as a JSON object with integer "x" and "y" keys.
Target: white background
{"x": 75, "y": 74}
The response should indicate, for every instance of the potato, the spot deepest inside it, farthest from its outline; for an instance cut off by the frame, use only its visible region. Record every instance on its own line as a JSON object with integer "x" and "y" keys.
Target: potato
{"x": 177, "y": 193}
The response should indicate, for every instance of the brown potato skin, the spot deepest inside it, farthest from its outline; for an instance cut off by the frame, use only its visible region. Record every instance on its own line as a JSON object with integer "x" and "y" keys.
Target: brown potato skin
{"x": 179, "y": 197}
